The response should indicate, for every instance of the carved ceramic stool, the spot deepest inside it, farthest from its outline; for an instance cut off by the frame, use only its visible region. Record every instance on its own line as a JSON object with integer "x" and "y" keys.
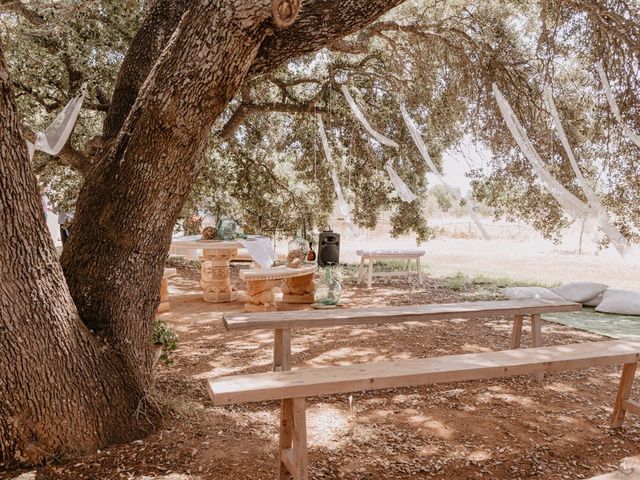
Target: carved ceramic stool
{"x": 215, "y": 277}
{"x": 298, "y": 289}
{"x": 261, "y": 296}
{"x": 164, "y": 289}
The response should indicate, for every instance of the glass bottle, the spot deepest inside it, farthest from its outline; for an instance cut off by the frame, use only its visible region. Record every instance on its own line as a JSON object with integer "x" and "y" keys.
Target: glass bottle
{"x": 328, "y": 286}
{"x": 228, "y": 229}
{"x": 311, "y": 255}
{"x": 297, "y": 248}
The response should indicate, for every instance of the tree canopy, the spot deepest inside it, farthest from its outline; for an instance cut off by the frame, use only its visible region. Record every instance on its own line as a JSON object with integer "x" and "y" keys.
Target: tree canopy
{"x": 212, "y": 106}
{"x": 438, "y": 57}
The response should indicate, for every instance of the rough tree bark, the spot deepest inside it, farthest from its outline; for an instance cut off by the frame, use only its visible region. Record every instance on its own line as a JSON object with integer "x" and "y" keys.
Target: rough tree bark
{"x": 157, "y": 131}
{"x": 47, "y": 352}
{"x": 130, "y": 202}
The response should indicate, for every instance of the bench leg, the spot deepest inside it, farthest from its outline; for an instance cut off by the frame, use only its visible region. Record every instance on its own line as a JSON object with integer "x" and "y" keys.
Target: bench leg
{"x": 360, "y": 272}
{"x": 292, "y": 454}
{"x": 282, "y": 349}
{"x": 536, "y": 338}
{"x": 164, "y": 296}
{"x": 623, "y": 404}
{"x": 370, "y": 278}
{"x": 419, "y": 271}
{"x": 516, "y": 335}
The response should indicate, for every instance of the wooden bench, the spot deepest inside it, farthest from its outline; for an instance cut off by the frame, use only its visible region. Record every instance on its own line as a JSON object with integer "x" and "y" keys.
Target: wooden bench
{"x": 372, "y": 255}
{"x": 292, "y": 387}
{"x": 283, "y": 322}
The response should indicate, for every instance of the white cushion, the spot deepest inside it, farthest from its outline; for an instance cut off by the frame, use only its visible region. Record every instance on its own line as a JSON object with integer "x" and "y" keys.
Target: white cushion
{"x": 622, "y": 302}
{"x": 594, "y": 302}
{"x": 529, "y": 293}
{"x": 580, "y": 292}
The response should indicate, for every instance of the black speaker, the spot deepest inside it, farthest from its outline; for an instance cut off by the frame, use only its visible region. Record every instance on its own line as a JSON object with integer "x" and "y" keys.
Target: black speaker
{"x": 328, "y": 248}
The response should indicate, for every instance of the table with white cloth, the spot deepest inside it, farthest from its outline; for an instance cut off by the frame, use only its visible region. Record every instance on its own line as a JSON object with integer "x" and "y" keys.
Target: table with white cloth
{"x": 214, "y": 262}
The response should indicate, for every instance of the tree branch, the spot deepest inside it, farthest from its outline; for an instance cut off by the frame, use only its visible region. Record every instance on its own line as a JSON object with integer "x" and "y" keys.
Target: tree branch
{"x": 320, "y": 23}
{"x": 316, "y": 26}
{"x": 16, "y": 6}
{"x": 247, "y": 109}
{"x": 146, "y": 46}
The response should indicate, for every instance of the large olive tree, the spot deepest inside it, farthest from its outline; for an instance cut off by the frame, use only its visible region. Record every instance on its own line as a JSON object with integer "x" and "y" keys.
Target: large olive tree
{"x": 75, "y": 334}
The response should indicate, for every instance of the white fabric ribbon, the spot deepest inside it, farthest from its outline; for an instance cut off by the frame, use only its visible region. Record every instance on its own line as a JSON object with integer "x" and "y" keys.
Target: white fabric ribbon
{"x": 56, "y": 135}
{"x": 626, "y": 131}
{"x": 358, "y": 114}
{"x": 343, "y": 206}
{"x": 260, "y": 250}
{"x": 401, "y": 188}
{"x": 568, "y": 200}
{"x": 599, "y": 211}
{"x": 404, "y": 192}
{"x": 417, "y": 139}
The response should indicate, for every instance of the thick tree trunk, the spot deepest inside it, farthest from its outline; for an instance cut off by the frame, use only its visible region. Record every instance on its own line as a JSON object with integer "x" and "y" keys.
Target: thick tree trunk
{"x": 64, "y": 388}
{"x": 128, "y": 205}
{"x": 60, "y": 390}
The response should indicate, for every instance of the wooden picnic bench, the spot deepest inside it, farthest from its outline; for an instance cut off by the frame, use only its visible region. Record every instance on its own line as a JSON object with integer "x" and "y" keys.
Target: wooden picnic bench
{"x": 292, "y": 387}
{"x": 372, "y": 255}
{"x": 283, "y": 322}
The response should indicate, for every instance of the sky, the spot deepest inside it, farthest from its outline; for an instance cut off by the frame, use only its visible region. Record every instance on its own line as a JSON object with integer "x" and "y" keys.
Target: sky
{"x": 458, "y": 162}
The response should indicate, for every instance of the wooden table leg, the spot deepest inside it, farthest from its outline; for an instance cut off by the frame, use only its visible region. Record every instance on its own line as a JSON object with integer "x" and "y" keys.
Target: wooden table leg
{"x": 164, "y": 296}
{"x": 624, "y": 392}
{"x": 360, "y": 272}
{"x": 292, "y": 455}
{"x": 536, "y": 338}
{"x": 282, "y": 349}
{"x": 370, "y": 279}
{"x": 516, "y": 335}
{"x": 536, "y": 330}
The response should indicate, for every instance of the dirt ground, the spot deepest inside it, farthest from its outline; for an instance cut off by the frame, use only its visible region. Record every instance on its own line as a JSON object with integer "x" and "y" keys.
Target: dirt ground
{"x": 512, "y": 428}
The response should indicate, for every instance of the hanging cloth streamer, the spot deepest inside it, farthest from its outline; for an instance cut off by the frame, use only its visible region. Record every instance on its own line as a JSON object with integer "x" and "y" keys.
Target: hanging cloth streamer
{"x": 343, "y": 206}
{"x": 432, "y": 166}
{"x": 404, "y": 192}
{"x": 599, "y": 211}
{"x": 402, "y": 189}
{"x": 56, "y": 135}
{"x": 358, "y": 114}
{"x": 569, "y": 201}
{"x": 626, "y": 131}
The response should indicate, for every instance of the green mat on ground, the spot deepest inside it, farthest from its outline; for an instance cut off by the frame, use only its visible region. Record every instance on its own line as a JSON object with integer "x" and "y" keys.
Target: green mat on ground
{"x": 607, "y": 324}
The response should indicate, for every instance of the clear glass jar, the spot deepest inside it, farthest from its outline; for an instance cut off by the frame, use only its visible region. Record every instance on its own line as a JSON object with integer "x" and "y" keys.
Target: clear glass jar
{"x": 297, "y": 248}
{"x": 228, "y": 229}
{"x": 328, "y": 286}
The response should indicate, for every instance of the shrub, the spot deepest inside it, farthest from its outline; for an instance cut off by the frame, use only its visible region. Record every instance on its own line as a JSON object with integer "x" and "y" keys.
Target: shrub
{"x": 164, "y": 335}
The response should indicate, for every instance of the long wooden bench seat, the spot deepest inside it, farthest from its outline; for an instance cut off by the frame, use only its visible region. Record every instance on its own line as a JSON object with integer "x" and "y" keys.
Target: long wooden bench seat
{"x": 292, "y": 387}
{"x": 283, "y": 322}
